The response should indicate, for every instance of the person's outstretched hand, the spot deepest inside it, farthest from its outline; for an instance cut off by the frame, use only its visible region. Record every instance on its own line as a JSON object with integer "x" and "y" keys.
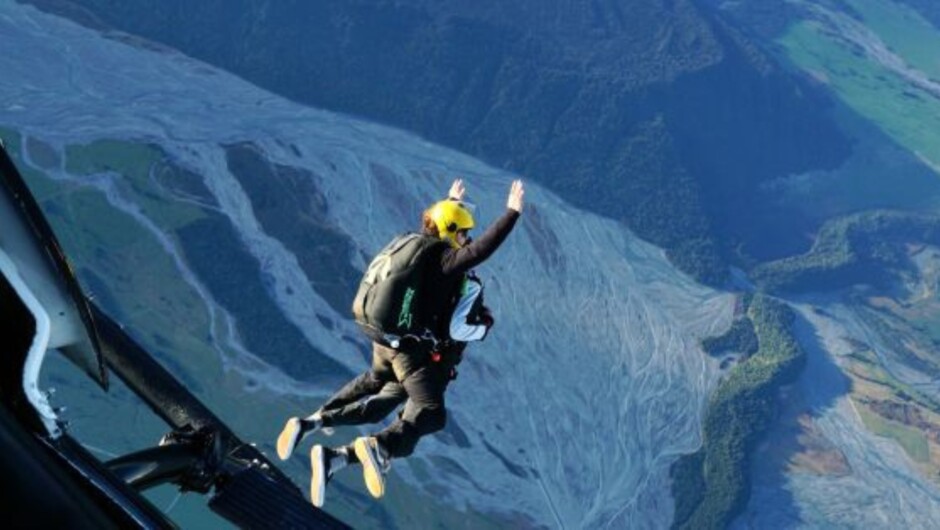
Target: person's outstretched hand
{"x": 515, "y": 196}
{"x": 457, "y": 190}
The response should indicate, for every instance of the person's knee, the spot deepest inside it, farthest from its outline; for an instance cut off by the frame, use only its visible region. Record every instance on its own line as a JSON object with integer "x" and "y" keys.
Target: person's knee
{"x": 374, "y": 380}
{"x": 431, "y": 419}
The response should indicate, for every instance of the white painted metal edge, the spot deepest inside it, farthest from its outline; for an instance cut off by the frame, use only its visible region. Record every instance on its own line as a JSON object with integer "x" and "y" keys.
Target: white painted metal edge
{"x": 37, "y": 351}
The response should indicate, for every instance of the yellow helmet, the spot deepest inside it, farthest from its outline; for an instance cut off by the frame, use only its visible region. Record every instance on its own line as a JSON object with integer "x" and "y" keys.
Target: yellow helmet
{"x": 450, "y": 217}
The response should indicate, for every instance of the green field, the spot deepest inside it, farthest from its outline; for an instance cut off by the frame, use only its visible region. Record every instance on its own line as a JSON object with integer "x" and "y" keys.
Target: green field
{"x": 122, "y": 261}
{"x": 137, "y": 164}
{"x": 906, "y": 113}
{"x": 39, "y": 184}
{"x": 910, "y": 439}
{"x": 904, "y": 32}
{"x": 10, "y": 138}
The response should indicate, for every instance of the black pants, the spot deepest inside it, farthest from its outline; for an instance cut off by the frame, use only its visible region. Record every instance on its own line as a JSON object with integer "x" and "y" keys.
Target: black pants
{"x": 396, "y": 376}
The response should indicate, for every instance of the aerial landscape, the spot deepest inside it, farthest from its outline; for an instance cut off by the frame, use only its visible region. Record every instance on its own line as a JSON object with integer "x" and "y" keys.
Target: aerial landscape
{"x": 719, "y": 308}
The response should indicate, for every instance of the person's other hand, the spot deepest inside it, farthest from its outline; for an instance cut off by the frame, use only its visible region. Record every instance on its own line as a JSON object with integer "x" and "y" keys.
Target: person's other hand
{"x": 516, "y": 193}
{"x": 487, "y": 320}
{"x": 457, "y": 190}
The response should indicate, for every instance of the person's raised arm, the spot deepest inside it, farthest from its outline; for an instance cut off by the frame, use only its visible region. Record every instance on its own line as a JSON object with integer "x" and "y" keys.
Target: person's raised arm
{"x": 477, "y": 251}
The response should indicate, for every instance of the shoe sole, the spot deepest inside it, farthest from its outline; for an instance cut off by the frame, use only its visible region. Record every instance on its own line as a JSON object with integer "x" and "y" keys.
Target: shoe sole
{"x": 317, "y": 478}
{"x": 371, "y": 473}
{"x": 287, "y": 440}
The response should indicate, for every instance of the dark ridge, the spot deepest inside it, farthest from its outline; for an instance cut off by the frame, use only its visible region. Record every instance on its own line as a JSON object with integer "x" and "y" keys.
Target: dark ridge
{"x": 863, "y": 248}
{"x": 547, "y": 247}
{"x": 449, "y": 465}
{"x": 453, "y": 434}
{"x": 325, "y": 322}
{"x": 516, "y": 470}
{"x": 42, "y": 154}
{"x": 215, "y": 252}
{"x": 290, "y": 208}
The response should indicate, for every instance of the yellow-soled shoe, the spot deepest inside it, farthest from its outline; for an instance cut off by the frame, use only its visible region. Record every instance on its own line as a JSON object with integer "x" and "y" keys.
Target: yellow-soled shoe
{"x": 319, "y": 474}
{"x": 287, "y": 440}
{"x": 374, "y": 464}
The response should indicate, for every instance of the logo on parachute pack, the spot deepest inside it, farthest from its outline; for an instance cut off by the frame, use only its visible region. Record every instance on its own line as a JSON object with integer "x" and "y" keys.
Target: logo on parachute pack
{"x": 405, "y": 315}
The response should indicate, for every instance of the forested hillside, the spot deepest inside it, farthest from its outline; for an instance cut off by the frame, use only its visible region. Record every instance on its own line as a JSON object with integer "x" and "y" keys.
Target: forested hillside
{"x": 657, "y": 114}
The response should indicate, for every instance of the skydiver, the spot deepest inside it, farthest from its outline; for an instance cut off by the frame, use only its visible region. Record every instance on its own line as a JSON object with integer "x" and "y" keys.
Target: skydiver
{"x": 416, "y": 372}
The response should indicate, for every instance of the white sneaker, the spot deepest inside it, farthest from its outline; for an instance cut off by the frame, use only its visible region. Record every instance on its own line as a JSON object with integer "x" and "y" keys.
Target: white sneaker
{"x": 375, "y": 464}
{"x": 295, "y": 430}
{"x": 319, "y": 475}
{"x": 288, "y": 439}
{"x": 323, "y": 463}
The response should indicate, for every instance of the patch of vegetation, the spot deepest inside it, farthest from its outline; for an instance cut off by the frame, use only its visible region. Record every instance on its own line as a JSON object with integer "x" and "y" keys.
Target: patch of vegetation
{"x": 740, "y": 337}
{"x": 11, "y": 140}
{"x": 870, "y": 368}
{"x": 913, "y": 441}
{"x": 903, "y": 341}
{"x": 40, "y": 185}
{"x": 712, "y": 486}
{"x": 42, "y": 154}
{"x": 138, "y": 166}
{"x": 117, "y": 261}
{"x": 127, "y": 158}
{"x": 904, "y": 31}
{"x": 861, "y": 248}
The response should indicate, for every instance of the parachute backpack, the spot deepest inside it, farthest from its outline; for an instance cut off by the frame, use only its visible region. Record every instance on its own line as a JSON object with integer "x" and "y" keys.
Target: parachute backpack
{"x": 387, "y": 304}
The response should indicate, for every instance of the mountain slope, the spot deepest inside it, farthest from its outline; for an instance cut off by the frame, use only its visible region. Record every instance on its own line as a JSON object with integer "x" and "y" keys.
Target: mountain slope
{"x": 134, "y": 153}
{"x": 638, "y": 111}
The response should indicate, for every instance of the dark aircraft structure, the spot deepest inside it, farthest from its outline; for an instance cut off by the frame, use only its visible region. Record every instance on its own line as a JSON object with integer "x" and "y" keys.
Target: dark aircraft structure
{"x": 49, "y": 479}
